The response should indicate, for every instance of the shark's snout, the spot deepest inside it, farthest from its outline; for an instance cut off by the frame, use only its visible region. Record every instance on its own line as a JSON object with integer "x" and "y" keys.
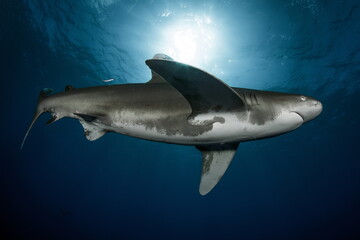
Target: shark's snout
{"x": 310, "y": 110}
{"x": 319, "y": 107}
{"x": 315, "y": 109}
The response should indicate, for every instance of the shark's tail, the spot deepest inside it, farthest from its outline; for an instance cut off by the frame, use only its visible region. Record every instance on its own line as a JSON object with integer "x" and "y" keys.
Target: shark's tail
{"x": 43, "y": 94}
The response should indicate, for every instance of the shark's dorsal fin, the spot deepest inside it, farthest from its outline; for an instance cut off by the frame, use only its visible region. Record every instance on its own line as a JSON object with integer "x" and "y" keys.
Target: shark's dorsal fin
{"x": 156, "y": 78}
{"x": 44, "y": 93}
{"x": 215, "y": 161}
{"x": 206, "y": 94}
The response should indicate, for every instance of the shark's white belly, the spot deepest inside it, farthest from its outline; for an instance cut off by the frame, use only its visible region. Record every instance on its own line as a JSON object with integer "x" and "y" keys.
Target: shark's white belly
{"x": 231, "y": 130}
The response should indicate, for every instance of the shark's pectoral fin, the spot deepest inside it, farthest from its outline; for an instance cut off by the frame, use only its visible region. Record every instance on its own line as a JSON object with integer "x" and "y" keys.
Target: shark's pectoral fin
{"x": 207, "y": 95}
{"x": 91, "y": 129}
{"x": 215, "y": 161}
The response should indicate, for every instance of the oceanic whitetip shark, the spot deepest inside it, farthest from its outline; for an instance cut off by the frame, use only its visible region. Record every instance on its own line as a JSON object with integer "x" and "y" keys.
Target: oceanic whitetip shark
{"x": 183, "y": 105}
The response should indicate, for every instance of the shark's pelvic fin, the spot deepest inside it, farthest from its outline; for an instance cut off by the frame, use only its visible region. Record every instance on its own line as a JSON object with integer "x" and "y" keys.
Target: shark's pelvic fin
{"x": 206, "y": 94}
{"x": 87, "y": 117}
{"x": 91, "y": 130}
{"x": 215, "y": 161}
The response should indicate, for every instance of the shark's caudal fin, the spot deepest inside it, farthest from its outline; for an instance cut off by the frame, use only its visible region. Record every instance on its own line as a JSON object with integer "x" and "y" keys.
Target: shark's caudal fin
{"x": 215, "y": 160}
{"x": 43, "y": 94}
{"x": 37, "y": 114}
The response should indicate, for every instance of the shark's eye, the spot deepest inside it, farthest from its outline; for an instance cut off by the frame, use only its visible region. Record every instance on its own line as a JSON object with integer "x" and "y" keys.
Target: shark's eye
{"x": 303, "y": 98}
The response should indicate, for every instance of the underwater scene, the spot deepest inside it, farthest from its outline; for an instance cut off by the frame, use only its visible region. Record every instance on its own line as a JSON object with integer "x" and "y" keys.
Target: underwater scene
{"x": 302, "y": 184}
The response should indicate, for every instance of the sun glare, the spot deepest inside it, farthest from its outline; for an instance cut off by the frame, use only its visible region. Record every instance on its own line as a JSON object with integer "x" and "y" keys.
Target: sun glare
{"x": 185, "y": 45}
{"x": 189, "y": 41}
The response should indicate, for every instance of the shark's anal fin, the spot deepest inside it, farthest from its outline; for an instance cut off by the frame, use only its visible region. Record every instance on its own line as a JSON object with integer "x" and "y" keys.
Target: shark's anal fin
{"x": 208, "y": 96}
{"x": 91, "y": 130}
{"x": 215, "y": 160}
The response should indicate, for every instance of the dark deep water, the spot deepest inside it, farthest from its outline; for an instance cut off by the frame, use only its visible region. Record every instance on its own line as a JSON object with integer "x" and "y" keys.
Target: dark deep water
{"x": 302, "y": 185}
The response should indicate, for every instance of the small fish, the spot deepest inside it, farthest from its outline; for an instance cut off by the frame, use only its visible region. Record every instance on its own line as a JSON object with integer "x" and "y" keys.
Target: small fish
{"x": 108, "y": 80}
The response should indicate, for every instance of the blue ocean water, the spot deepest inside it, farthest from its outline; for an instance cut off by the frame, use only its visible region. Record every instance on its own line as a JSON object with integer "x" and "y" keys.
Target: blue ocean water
{"x": 302, "y": 185}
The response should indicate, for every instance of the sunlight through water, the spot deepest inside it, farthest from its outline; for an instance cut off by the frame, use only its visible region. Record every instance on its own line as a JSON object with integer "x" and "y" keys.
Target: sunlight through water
{"x": 191, "y": 40}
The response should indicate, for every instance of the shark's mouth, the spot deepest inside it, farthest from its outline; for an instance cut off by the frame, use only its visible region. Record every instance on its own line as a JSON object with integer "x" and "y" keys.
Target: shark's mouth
{"x": 300, "y": 115}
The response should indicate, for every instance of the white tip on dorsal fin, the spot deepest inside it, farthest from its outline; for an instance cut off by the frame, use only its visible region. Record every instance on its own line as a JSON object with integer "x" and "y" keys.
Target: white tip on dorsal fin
{"x": 156, "y": 78}
{"x": 162, "y": 56}
{"x": 215, "y": 161}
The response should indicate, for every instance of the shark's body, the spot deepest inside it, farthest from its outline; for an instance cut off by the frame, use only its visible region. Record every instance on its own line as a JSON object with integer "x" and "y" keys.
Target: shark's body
{"x": 158, "y": 112}
{"x": 183, "y": 105}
